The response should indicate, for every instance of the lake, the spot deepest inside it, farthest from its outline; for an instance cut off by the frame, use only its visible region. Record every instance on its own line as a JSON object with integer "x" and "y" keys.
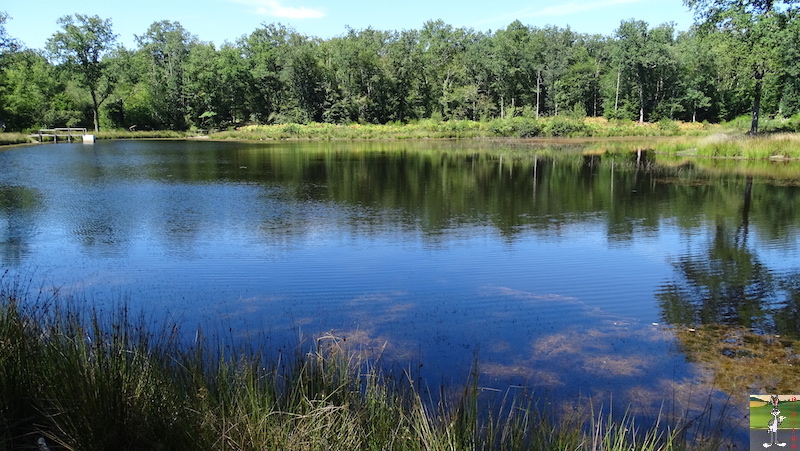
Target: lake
{"x": 553, "y": 267}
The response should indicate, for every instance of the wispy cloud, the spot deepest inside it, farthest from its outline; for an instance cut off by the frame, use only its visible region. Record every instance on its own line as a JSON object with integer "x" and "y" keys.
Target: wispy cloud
{"x": 563, "y": 9}
{"x": 274, "y": 8}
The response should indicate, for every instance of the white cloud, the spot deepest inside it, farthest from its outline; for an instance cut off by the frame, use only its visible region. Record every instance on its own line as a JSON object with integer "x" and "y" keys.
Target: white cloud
{"x": 274, "y": 8}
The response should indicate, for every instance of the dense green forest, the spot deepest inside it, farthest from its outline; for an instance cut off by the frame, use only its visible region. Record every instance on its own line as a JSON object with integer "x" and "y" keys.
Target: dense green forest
{"x": 742, "y": 58}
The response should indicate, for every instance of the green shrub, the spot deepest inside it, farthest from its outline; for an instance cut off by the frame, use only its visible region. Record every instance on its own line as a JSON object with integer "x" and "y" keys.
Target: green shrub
{"x": 668, "y": 125}
{"x": 564, "y": 127}
{"x": 524, "y": 127}
{"x": 292, "y": 129}
{"x": 500, "y": 127}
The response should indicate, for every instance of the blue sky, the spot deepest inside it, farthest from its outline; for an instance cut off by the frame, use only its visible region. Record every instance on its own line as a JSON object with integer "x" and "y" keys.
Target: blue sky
{"x": 227, "y": 20}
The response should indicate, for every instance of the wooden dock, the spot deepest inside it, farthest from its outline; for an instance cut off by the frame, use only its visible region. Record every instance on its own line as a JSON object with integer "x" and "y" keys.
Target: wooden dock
{"x": 68, "y": 133}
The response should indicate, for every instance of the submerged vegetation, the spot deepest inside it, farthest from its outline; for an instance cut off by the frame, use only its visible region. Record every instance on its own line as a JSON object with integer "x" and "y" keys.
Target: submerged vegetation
{"x": 731, "y": 353}
{"x": 80, "y": 378}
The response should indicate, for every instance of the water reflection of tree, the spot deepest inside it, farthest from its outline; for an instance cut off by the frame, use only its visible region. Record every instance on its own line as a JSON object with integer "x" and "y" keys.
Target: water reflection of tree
{"x": 728, "y": 284}
{"x": 742, "y": 318}
{"x": 17, "y": 207}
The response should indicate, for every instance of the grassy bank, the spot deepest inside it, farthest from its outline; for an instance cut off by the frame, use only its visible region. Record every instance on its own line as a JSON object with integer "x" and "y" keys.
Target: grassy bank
{"x": 27, "y": 138}
{"x": 83, "y": 379}
{"x": 7, "y": 139}
{"x": 517, "y": 127}
{"x": 729, "y": 140}
{"x": 147, "y": 134}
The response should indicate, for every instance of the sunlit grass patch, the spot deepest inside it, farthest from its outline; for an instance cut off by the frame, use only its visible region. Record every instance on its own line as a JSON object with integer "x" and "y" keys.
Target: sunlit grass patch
{"x": 721, "y": 145}
{"x": 14, "y": 138}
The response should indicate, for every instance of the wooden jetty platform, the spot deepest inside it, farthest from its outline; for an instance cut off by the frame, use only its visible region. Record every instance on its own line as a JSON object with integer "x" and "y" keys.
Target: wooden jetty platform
{"x": 68, "y": 133}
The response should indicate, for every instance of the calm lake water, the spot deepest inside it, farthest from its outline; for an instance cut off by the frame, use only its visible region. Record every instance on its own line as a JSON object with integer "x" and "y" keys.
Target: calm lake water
{"x": 557, "y": 270}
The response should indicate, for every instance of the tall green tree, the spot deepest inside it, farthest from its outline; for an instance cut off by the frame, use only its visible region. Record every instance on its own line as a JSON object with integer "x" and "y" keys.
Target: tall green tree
{"x": 644, "y": 60}
{"x": 790, "y": 82}
{"x": 302, "y": 74}
{"x": 264, "y": 53}
{"x": 759, "y": 26}
{"x": 359, "y": 73}
{"x": 81, "y": 46}
{"x": 166, "y": 46}
{"x": 512, "y": 65}
{"x": 557, "y": 53}
{"x": 216, "y": 86}
{"x": 443, "y": 64}
{"x": 33, "y": 96}
{"x": 480, "y": 96}
{"x": 126, "y": 106}
{"x": 402, "y": 65}
{"x": 283, "y": 74}
{"x": 697, "y": 64}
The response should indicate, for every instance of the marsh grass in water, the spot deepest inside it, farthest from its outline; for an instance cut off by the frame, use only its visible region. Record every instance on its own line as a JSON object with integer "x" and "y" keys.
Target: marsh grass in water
{"x": 777, "y": 146}
{"x": 81, "y": 378}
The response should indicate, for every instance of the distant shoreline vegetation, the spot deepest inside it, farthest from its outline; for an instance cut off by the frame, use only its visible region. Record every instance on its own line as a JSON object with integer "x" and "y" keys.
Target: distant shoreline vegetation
{"x": 779, "y": 139}
{"x": 739, "y": 59}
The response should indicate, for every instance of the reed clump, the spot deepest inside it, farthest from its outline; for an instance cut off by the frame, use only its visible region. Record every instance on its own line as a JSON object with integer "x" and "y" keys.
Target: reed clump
{"x": 14, "y": 138}
{"x": 511, "y": 127}
{"x": 83, "y": 378}
{"x": 774, "y": 146}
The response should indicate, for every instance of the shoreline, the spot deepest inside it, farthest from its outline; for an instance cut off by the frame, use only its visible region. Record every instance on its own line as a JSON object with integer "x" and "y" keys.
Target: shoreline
{"x": 680, "y": 140}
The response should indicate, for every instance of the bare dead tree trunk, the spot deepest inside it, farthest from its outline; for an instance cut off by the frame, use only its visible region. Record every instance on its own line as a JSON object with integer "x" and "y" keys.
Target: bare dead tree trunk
{"x": 756, "y": 104}
{"x": 641, "y": 105}
{"x": 616, "y": 98}
{"x": 538, "y": 90}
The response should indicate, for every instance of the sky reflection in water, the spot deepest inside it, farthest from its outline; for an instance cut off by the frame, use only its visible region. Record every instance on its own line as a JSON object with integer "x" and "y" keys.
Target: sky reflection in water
{"x": 548, "y": 270}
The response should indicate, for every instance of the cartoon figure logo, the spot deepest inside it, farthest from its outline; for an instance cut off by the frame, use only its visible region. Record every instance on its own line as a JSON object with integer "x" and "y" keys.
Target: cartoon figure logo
{"x": 772, "y": 425}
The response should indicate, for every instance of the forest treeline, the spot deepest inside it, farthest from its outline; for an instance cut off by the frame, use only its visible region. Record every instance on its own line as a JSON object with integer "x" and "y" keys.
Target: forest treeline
{"x": 736, "y": 60}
